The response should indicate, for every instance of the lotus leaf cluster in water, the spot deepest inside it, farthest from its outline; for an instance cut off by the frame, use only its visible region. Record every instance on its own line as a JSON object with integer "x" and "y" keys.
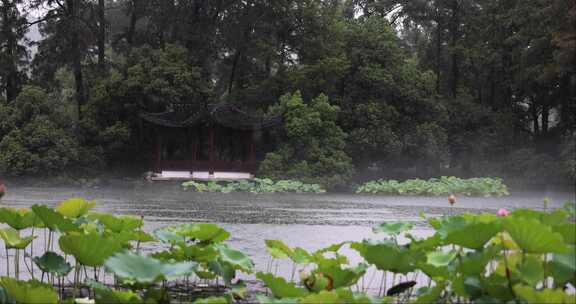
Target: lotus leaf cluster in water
{"x": 523, "y": 256}
{"x": 256, "y": 185}
{"x": 437, "y": 186}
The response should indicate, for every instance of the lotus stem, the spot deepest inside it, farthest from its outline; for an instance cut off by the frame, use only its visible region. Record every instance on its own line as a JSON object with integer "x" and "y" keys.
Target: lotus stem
{"x": 17, "y": 264}
{"x": 7, "y": 263}
{"x": 382, "y": 284}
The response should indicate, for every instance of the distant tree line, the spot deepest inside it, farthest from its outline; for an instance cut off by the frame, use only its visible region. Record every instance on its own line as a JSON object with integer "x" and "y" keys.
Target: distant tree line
{"x": 399, "y": 88}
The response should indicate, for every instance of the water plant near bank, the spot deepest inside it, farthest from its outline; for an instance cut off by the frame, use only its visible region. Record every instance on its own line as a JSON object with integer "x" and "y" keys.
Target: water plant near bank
{"x": 483, "y": 186}
{"x": 256, "y": 185}
{"x": 520, "y": 256}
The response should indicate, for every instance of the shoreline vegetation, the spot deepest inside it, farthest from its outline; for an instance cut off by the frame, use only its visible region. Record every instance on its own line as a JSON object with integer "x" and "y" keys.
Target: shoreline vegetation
{"x": 522, "y": 255}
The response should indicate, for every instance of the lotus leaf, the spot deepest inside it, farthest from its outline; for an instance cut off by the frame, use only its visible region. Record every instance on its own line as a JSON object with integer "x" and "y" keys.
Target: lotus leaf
{"x": 54, "y": 220}
{"x": 262, "y": 299}
{"x": 563, "y": 267}
{"x": 211, "y": 300}
{"x": 474, "y": 263}
{"x": 89, "y": 249}
{"x": 393, "y": 228}
{"x": 280, "y": 288}
{"x": 201, "y": 254}
{"x": 568, "y": 232}
{"x": 301, "y": 256}
{"x": 531, "y": 270}
{"x": 387, "y": 257}
{"x": 17, "y": 218}
{"x": 29, "y": 292}
{"x": 75, "y": 207}
{"x": 237, "y": 259}
{"x": 440, "y": 258}
{"x": 105, "y": 295}
{"x": 430, "y": 295}
{"x": 13, "y": 240}
{"x": 5, "y": 298}
{"x": 144, "y": 269}
{"x": 344, "y": 277}
{"x": 534, "y": 237}
{"x": 203, "y": 232}
{"x": 117, "y": 224}
{"x": 51, "y": 262}
{"x": 168, "y": 236}
{"x": 552, "y": 296}
{"x": 278, "y": 249}
{"x": 223, "y": 269}
{"x": 321, "y": 297}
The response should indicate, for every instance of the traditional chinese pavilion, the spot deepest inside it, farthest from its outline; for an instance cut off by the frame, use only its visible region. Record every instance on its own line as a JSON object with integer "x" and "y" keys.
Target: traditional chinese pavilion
{"x": 212, "y": 142}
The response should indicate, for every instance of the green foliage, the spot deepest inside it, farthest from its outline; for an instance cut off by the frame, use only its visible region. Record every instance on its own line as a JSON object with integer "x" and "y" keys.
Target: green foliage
{"x": 136, "y": 268}
{"x": 36, "y": 140}
{"x": 51, "y": 262}
{"x": 29, "y": 292}
{"x": 256, "y": 185}
{"x": 12, "y": 238}
{"x": 89, "y": 249}
{"x": 313, "y": 143}
{"x": 438, "y": 186}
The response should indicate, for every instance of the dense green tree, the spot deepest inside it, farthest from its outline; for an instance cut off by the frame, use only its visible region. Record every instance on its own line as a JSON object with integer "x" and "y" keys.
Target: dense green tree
{"x": 312, "y": 143}
{"x": 35, "y": 140}
{"x": 13, "y": 53}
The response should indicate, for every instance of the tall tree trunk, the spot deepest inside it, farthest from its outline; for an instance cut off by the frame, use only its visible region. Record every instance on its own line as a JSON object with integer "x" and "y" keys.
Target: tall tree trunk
{"x": 101, "y": 35}
{"x": 10, "y": 74}
{"x": 132, "y": 26}
{"x": 438, "y": 51}
{"x": 74, "y": 9}
{"x": 454, "y": 24}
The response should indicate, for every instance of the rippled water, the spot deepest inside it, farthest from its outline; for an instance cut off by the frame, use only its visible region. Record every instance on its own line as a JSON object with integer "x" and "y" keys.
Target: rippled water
{"x": 307, "y": 221}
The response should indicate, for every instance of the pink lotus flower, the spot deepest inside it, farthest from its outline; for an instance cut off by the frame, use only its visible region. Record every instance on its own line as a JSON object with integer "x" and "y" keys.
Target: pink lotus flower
{"x": 502, "y": 212}
{"x": 452, "y": 199}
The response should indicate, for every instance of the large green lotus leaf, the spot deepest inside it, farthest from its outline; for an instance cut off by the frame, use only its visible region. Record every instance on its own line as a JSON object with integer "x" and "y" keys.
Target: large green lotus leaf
{"x": 280, "y": 288}
{"x": 200, "y": 254}
{"x": 75, "y": 207}
{"x": 568, "y": 232}
{"x": 143, "y": 269}
{"x": 534, "y": 237}
{"x": 167, "y": 236}
{"x": 440, "y": 258}
{"x": 117, "y": 224}
{"x": 52, "y": 262}
{"x": 386, "y": 256}
{"x": 474, "y": 263}
{"x": 127, "y": 236}
{"x": 17, "y": 218}
{"x": 5, "y": 298}
{"x": 238, "y": 259}
{"x": 223, "y": 269}
{"x": 262, "y": 299}
{"x": 344, "y": 277}
{"x": 467, "y": 231}
{"x": 301, "y": 256}
{"x": 552, "y": 296}
{"x": 54, "y": 220}
{"x": 321, "y": 297}
{"x": 393, "y": 228}
{"x": 434, "y": 272}
{"x": 89, "y": 249}
{"x": 428, "y": 295}
{"x": 105, "y": 295}
{"x": 331, "y": 248}
{"x": 278, "y": 249}
{"x": 29, "y": 292}
{"x": 211, "y": 300}
{"x": 531, "y": 270}
{"x": 557, "y": 216}
{"x": 12, "y": 239}
{"x": 563, "y": 267}
{"x": 203, "y": 232}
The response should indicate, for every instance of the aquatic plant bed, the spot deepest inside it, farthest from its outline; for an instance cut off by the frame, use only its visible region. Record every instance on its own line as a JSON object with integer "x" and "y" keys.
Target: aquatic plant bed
{"x": 482, "y": 186}
{"x": 523, "y": 256}
{"x": 255, "y": 185}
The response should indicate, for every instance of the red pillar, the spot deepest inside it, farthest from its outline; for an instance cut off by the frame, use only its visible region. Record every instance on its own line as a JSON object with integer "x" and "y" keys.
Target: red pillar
{"x": 212, "y": 151}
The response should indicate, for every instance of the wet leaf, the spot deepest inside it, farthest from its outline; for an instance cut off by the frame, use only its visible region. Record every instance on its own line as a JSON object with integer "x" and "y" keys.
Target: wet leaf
{"x": 203, "y": 232}
{"x": 534, "y": 237}
{"x": 552, "y": 296}
{"x": 278, "y": 249}
{"x": 237, "y": 259}
{"x": 18, "y": 219}
{"x": 143, "y": 269}
{"x": 386, "y": 256}
{"x": 29, "y": 292}
{"x": 75, "y": 207}
{"x": 51, "y": 262}
{"x": 54, "y": 220}
{"x": 280, "y": 288}
{"x": 12, "y": 239}
{"x": 105, "y": 295}
{"x": 440, "y": 258}
{"x": 89, "y": 249}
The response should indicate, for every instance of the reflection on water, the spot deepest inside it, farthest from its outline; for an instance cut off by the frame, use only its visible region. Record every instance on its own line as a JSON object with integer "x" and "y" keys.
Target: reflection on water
{"x": 307, "y": 221}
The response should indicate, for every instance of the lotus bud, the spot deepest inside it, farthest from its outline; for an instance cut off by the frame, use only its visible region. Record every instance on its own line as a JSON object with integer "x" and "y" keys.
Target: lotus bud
{"x": 502, "y": 212}
{"x": 452, "y": 199}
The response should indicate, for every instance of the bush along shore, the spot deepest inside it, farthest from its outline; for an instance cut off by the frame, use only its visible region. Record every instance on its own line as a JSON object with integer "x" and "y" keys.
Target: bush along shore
{"x": 523, "y": 256}
{"x": 444, "y": 185}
